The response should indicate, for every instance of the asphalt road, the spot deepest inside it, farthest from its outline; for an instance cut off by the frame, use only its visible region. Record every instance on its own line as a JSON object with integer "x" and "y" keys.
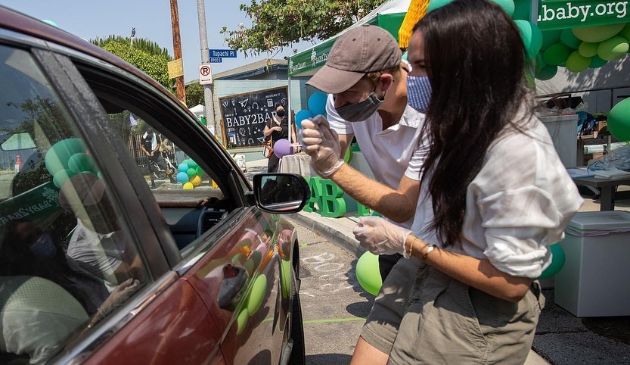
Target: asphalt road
{"x": 334, "y": 306}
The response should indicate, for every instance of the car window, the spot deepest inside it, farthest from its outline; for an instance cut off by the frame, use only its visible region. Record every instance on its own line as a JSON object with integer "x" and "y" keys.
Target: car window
{"x": 66, "y": 259}
{"x": 189, "y": 195}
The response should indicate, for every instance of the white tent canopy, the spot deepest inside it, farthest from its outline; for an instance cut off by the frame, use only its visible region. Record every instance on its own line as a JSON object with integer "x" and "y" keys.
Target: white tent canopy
{"x": 197, "y": 109}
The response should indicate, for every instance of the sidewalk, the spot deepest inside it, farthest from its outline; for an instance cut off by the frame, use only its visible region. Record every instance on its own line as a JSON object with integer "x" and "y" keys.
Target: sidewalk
{"x": 560, "y": 339}
{"x": 340, "y": 231}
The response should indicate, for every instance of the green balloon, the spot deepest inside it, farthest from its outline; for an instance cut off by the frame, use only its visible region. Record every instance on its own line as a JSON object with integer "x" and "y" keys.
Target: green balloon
{"x": 597, "y": 34}
{"x": 558, "y": 259}
{"x": 613, "y": 48}
{"x": 241, "y": 320}
{"x": 522, "y": 9}
{"x": 238, "y": 259}
{"x": 255, "y": 258}
{"x": 57, "y": 156}
{"x": 257, "y": 294}
{"x": 81, "y": 162}
{"x": 250, "y": 266}
{"x": 577, "y": 63}
{"x": 619, "y": 120}
{"x": 507, "y": 6}
{"x": 286, "y": 276}
{"x": 540, "y": 63}
{"x": 60, "y": 177}
{"x": 597, "y": 62}
{"x": 625, "y": 32}
{"x": 191, "y": 172}
{"x": 547, "y": 72}
{"x": 556, "y": 54}
{"x": 347, "y": 157}
{"x": 587, "y": 49}
{"x": 192, "y": 164}
{"x": 550, "y": 37}
{"x": 531, "y": 36}
{"x": 568, "y": 39}
{"x": 436, "y": 4}
{"x": 368, "y": 274}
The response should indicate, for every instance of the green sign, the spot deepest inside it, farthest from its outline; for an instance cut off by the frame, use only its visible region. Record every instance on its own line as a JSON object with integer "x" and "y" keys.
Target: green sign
{"x": 561, "y": 14}
{"x": 306, "y": 62}
{"x": 37, "y": 202}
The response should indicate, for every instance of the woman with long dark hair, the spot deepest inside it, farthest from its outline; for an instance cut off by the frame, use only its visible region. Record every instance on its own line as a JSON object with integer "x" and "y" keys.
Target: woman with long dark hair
{"x": 498, "y": 191}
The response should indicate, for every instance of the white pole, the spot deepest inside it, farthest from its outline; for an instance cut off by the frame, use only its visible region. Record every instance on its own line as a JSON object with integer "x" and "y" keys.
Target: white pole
{"x": 533, "y": 16}
{"x": 205, "y": 59}
{"x": 289, "y": 111}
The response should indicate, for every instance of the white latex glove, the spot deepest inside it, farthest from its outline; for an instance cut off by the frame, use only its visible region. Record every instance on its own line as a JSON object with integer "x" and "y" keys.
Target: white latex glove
{"x": 380, "y": 236}
{"x": 322, "y": 144}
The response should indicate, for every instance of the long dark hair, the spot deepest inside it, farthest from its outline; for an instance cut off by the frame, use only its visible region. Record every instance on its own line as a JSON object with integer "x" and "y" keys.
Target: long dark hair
{"x": 475, "y": 62}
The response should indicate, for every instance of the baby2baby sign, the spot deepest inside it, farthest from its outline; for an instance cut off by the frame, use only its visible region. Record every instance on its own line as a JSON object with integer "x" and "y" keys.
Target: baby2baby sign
{"x": 555, "y": 14}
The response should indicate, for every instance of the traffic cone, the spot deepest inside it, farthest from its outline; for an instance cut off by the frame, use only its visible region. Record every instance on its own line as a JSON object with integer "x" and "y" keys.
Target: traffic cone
{"x": 18, "y": 163}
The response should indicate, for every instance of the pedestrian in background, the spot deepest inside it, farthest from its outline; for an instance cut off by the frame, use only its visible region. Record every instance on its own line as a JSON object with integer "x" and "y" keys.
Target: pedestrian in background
{"x": 276, "y": 127}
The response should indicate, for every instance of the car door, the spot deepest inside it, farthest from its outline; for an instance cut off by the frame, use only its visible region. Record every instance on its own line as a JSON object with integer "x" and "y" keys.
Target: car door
{"x": 78, "y": 248}
{"x": 213, "y": 235}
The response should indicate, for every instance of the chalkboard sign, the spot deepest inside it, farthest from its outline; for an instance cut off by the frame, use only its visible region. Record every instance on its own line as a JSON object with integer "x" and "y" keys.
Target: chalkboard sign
{"x": 244, "y": 115}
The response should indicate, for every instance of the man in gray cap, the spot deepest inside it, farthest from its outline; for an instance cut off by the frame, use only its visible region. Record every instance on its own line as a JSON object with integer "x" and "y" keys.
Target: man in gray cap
{"x": 366, "y": 83}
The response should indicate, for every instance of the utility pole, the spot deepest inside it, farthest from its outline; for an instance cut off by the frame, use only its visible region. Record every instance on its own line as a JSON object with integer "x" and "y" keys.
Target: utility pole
{"x": 177, "y": 49}
{"x": 205, "y": 60}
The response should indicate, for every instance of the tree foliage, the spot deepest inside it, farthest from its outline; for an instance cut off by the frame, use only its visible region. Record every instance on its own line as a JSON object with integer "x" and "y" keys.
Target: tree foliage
{"x": 146, "y": 55}
{"x": 194, "y": 94}
{"x": 280, "y": 23}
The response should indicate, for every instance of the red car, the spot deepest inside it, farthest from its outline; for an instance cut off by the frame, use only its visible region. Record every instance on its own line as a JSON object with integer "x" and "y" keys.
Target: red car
{"x": 127, "y": 233}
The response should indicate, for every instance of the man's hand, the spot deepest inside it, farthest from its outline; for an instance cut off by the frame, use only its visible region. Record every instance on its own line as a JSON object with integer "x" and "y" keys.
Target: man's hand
{"x": 322, "y": 144}
{"x": 118, "y": 296}
{"x": 380, "y": 236}
{"x": 276, "y": 128}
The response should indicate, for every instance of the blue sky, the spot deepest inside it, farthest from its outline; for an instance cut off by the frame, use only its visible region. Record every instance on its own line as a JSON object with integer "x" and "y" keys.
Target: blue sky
{"x": 152, "y": 19}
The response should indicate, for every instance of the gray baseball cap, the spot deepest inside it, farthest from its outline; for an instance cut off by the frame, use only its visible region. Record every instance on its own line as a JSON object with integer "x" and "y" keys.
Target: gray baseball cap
{"x": 356, "y": 52}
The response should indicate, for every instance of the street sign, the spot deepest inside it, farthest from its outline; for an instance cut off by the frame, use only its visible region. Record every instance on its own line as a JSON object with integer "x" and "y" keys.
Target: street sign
{"x": 216, "y": 60}
{"x": 222, "y": 53}
{"x": 205, "y": 74}
{"x": 175, "y": 68}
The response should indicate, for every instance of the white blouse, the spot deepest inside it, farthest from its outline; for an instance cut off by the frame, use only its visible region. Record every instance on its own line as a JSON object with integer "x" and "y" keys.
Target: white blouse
{"x": 519, "y": 203}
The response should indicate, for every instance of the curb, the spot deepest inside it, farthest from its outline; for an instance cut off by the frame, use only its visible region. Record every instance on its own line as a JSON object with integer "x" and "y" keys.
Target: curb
{"x": 332, "y": 234}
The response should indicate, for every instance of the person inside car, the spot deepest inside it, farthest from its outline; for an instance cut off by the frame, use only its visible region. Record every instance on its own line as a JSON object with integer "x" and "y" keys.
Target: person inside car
{"x": 96, "y": 247}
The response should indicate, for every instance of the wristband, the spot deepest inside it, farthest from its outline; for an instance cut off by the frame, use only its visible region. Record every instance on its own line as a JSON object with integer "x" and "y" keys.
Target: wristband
{"x": 332, "y": 170}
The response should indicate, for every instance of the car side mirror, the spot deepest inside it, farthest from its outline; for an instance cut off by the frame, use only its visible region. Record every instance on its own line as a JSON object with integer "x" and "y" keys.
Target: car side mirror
{"x": 281, "y": 193}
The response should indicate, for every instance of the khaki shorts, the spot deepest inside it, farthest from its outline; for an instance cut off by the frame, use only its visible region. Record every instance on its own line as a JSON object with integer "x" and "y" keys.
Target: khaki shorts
{"x": 390, "y": 305}
{"x": 448, "y": 322}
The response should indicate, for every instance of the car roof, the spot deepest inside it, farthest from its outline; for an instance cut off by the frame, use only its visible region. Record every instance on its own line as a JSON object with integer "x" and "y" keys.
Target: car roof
{"x": 22, "y": 23}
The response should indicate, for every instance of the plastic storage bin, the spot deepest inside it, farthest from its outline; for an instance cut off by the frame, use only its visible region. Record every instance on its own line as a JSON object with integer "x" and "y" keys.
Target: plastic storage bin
{"x": 595, "y": 279}
{"x": 563, "y": 131}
